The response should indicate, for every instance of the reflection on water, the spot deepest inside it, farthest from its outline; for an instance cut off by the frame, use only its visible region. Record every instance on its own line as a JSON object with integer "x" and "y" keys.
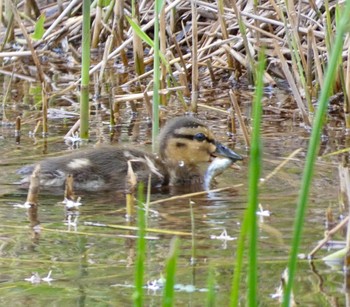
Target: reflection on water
{"x": 88, "y": 254}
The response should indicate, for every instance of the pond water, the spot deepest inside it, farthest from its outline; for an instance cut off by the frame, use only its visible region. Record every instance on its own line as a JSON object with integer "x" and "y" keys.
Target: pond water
{"x": 92, "y": 261}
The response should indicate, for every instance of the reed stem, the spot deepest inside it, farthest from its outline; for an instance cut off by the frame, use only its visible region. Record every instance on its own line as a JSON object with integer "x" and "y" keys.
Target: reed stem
{"x": 313, "y": 150}
{"x": 85, "y": 78}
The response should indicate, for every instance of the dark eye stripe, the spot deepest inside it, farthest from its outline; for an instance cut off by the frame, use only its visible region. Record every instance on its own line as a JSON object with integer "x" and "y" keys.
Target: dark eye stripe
{"x": 191, "y": 137}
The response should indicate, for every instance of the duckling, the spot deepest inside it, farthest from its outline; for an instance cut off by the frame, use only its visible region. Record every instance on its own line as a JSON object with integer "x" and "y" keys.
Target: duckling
{"x": 184, "y": 143}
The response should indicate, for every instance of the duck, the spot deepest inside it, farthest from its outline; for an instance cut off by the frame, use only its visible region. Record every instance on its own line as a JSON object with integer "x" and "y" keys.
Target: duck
{"x": 184, "y": 144}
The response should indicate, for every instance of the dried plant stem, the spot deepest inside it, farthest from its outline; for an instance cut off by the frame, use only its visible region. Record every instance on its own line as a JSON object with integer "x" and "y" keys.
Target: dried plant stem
{"x": 97, "y": 25}
{"x": 237, "y": 109}
{"x": 328, "y": 236}
{"x": 162, "y": 39}
{"x": 33, "y": 191}
{"x": 224, "y": 30}
{"x": 137, "y": 43}
{"x": 69, "y": 190}
{"x": 5, "y": 98}
{"x": 189, "y": 195}
{"x": 106, "y": 52}
{"x": 242, "y": 28}
{"x": 9, "y": 17}
{"x": 39, "y": 69}
{"x": 293, "y": 86}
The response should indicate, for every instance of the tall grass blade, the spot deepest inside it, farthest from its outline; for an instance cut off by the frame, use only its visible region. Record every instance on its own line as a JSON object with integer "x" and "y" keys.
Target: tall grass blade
{"x": 211, "y": 296}
{"x": 313, "y": 148}
{"x": 254, "y": 177}
{"x": 85, "y": 77}
{"x": 143, "y": 35}
{"x": 156, "y": 76}
{"x": 168, "y": 295}
{"x": 141, "y": 248}
{"x": 249, "y": 227}
{"x": 195, "y": 65}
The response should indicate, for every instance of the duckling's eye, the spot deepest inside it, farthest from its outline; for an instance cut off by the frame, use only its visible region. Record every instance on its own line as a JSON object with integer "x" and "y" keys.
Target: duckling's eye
{"x": 200, "y": 137}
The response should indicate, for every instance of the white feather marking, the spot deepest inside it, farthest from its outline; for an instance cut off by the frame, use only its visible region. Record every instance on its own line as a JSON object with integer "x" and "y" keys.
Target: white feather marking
{"x": 79, "y": 163}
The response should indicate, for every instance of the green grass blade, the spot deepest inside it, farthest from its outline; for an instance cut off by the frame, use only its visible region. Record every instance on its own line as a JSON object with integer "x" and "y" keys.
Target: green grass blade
{"x": 156, "y": 81}
{"x": 168, "y": 295}
{"x": 249, "y": 226}
{"x": 234, "y": 296}
{"x": 313, "y": 149}
{"x": 141, "y": 249}
{"x": 143, "y": 35}
{"x": 139, "y": 32}
{"x": 39, "y": 29}
{"x": 85, "y": 77}
{"x": 211, "y": 296}
{"x": 254, "y": 177}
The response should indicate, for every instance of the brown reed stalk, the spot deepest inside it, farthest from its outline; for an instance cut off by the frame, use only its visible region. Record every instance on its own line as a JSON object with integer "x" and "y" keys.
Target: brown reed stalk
{"x": 172, "y": 21}
{"x": 6, "y": 97}
{"x": 97, "y": 25}
{"x": 61, "y": 17}
{"x": 147, "y": 100}
{"x": 137, "y": 42}
{"x": 180, "y": 56}
{"x": 211, "y": 71}
{"x": 69, "y": 190}
{"x": 309, "y": 66}
{"x": 106, "y": 52}
{"x": 9, "y": 19}
{"x": 292, "y": 84}
{"x": 237, "y": 109}
{"x": 34, "y": 184}
{"x": 291, "y": 30}
{"x": 109, "y": 12}
{"x": 231, "y": 125}
{"x": 224, "y": 32}
{"x": 32, "y": 6}
{"x": 162, "y": 48}
{"x": 299, "y": 64}
{"x": 118, "y": 25}
{"x": 317, "y": 62}
{"x": 41, "y": 75}
{"x": 126, "y": 42}
{"x": 130, "y": 187}
{"x": 184, "y": 82}
{"x": 242, "y": 28}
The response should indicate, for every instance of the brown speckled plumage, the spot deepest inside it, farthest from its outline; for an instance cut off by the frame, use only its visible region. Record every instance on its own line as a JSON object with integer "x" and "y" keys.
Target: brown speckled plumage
{"x": 184, "y": 143}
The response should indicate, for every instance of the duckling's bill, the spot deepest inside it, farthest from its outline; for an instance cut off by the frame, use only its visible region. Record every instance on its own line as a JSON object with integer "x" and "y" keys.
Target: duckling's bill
{"x": 223, "y": 151}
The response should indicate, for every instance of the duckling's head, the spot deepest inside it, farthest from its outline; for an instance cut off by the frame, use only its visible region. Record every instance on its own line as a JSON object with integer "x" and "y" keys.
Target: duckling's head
{"x": 186, "y": 141}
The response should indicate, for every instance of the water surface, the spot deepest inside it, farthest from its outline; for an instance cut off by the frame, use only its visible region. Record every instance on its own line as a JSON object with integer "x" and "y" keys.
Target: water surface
{"x": 94, "y": 265}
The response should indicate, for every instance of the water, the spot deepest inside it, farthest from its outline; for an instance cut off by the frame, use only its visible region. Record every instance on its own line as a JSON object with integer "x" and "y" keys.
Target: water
{"x": 91, "y": 260}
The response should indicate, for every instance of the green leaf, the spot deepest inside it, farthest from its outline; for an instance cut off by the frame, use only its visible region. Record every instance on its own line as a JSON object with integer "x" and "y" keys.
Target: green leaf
{"x": 139, "y": 32}
{"x": 104, "y": 3}
{"x": 39, "y": 28}
{"x": 168, "y": 292}
{"x": 159, "y": 5}
{"x": 145, "y": 37}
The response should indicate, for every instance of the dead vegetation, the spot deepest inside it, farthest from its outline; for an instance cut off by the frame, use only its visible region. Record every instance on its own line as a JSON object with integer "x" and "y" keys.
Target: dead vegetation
{"x": 207, "y": 45}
